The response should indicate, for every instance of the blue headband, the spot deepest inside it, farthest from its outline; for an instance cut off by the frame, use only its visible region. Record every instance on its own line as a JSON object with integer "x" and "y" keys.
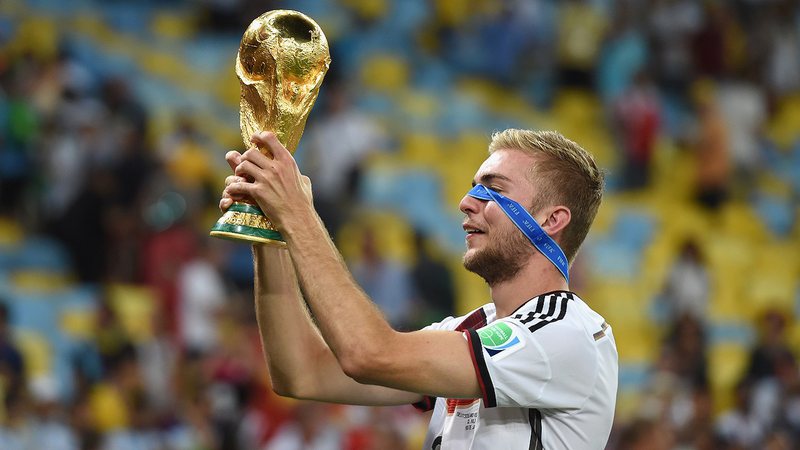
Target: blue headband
{"x": 527, "y": 224}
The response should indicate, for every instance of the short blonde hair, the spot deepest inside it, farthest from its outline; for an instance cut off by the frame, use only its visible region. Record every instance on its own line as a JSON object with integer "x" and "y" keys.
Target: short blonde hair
{"x": 563, "y": 174}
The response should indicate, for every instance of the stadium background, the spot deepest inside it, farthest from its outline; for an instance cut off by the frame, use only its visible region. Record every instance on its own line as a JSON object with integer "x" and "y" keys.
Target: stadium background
{"x": 124, "y": 326}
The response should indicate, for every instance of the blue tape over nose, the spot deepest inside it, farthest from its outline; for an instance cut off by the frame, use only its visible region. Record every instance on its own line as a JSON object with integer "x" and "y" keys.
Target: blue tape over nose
{"x": 527, "y": 224}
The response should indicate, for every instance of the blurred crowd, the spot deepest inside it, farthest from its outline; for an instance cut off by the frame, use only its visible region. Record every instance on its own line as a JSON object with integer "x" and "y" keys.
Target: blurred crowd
{"x": 85, "y": 166}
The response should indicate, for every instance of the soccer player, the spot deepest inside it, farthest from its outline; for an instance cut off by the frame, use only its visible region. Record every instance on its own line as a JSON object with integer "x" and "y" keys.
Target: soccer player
{"x": 534, "y": 368}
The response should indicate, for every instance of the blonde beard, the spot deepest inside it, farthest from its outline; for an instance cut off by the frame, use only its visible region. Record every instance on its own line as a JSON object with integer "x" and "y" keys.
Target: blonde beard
{"x": 502, "y": 259}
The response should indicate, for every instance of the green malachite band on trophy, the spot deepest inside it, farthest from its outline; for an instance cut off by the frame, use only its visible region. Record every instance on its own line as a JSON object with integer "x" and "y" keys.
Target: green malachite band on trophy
{"x": 245, "y": 222}
{"x": 245, "y": 208}
{"x": 243, "y": 232}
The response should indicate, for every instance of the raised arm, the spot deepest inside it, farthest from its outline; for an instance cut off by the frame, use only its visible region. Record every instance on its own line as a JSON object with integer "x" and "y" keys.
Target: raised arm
{"x": 436, "y": 363}
{"x": 301, "y": 364}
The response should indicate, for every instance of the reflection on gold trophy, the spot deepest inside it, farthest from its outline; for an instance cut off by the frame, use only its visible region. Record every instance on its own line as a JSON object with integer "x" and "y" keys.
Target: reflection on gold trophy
{"x": 282, "y": 59}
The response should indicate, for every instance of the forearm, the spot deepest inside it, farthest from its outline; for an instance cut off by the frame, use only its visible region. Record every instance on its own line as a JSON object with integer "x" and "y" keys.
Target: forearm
{"x": 300, "y": 363}
{"x": 350, "y": 323}
{"x": 291, "y": 343}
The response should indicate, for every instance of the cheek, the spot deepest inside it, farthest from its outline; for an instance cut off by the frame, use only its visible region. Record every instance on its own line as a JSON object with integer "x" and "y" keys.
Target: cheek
{"x": 494, "y": 214}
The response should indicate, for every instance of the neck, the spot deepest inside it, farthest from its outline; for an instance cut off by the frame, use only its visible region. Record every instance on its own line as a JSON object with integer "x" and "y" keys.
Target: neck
{"x": 536, "y": 278}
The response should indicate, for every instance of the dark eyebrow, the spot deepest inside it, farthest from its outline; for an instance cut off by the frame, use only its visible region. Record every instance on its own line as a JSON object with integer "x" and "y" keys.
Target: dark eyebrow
{"x": 489, "y": 177}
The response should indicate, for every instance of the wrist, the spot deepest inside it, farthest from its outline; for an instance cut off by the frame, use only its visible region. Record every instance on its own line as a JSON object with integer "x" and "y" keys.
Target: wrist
{"x": 301, "y": 226}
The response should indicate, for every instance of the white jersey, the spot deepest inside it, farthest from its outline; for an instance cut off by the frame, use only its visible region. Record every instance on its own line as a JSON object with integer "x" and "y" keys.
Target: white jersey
{"x": 548, "y": 377}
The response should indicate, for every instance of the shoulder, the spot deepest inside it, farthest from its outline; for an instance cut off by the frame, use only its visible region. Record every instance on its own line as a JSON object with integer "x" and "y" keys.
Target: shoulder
{"x": 558, "y": 307}
{"x": 474, "y": 319}
{"x": 560, "y": 323}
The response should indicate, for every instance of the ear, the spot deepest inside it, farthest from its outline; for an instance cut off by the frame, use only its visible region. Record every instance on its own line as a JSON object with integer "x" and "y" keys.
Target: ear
{"x": 558, "y": 217}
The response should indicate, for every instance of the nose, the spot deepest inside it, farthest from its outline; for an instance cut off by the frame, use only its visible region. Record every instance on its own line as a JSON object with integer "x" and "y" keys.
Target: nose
{"x": 470, "y": 205}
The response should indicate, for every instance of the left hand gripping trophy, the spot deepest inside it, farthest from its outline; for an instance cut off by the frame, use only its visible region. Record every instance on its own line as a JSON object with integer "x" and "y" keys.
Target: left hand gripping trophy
{"x": 282, "y": 59}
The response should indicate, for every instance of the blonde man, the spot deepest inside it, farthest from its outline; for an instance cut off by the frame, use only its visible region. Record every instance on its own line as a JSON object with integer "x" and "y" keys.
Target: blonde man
{"x": 534, "y": 368}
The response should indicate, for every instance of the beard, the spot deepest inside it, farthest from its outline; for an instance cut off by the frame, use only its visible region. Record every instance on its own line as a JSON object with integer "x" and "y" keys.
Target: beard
{"x": 502, "y": 259}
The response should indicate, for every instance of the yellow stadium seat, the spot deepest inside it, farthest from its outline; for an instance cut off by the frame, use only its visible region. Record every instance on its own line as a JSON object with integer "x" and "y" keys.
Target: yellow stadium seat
{"x": 726, "y": 365}
{"x": 39, "y": 281}
{"x": 369, "y": 9}
{"x": 134, "y": 306}
{"x": 35, "y": 351}
{"x": 626, "y": 308}
{"x": 385, "y": 73}
{"x": 394, "y": 236}
{"x": 471, "y": 290}
{"x": 783, "y": 127}
{"x": 727, "y": 300}
{"x": 78, "y": 323}
{"x": 742, "y": 221}
{"x": 421, "y": 149}
{"x": 419, "y": 105}
{"x": 173, "y": 26}
{"x": 108, "y": 409}
{"x": 452, "y": 12}
{"x": 11, "y": 233}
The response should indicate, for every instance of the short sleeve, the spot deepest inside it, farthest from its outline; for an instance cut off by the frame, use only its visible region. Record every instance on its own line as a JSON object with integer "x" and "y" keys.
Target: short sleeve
{"x": 475, "y": 318}
{"x": 427, "y": 403}
{"x": 533, "y": 367}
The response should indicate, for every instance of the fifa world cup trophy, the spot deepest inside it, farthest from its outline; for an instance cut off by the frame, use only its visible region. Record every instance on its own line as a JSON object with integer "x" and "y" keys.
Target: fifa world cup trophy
{"x": 282, "y": 59}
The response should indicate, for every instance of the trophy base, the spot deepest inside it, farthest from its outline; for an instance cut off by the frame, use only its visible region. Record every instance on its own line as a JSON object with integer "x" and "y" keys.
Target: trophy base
{"x": 245, "y": 222}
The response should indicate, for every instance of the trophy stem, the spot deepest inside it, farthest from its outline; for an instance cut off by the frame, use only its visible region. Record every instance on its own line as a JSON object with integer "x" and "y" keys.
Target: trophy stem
{"x": 246, "y": 222}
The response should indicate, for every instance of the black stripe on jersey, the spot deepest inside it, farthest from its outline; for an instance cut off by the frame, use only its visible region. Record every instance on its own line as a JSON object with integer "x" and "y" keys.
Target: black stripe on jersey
{"x": 556, "y": 301}
{"x": 485, "y": 381}
{"x": 535, "y": 419}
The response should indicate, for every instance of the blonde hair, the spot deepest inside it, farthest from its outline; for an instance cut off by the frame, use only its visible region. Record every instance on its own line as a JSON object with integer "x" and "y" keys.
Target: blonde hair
{"x": 563, "y": 174}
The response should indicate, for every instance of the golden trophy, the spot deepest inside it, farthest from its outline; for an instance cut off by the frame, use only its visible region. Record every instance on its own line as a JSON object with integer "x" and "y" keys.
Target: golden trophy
{"x": 282, "y": 59}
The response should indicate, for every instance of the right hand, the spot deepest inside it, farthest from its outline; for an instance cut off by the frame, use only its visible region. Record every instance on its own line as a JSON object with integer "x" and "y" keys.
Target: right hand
{"x": 233, "y": 158}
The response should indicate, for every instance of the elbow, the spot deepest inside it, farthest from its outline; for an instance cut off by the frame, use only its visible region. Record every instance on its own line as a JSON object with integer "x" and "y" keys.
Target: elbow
{"x": 286, "y": 385}
{"x": 355, "y": 368}
{"x": 282, "y": 391}
{"x": 293, "y": 390}
{"x": 364, "y": 364}
{"x": 284, "y": 388}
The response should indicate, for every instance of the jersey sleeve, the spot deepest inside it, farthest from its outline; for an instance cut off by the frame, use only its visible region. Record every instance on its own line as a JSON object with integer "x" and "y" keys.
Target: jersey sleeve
{"x": 518, "y": 365}
{"x": 427, "y": 403}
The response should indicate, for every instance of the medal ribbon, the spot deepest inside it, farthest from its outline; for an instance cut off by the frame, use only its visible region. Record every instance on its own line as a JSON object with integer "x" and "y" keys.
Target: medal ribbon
{"x": 527, "y": 224}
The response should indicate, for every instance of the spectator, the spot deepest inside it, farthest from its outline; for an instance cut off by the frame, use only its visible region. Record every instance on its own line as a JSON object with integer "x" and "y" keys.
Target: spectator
{"x": 672, "y": 24}
{"x": 337, "y": 147}
{"x": 638, "y": 116}
{"x": 12, "y": 364}
{"x": 49, "y": 427}
{"x": 201, "y": 296}
{"x": 772, "y": 347}
{"x": 712, "y": 148}
{"x": 623, "y": 56}
{"x": 744, "y": 107}
{"x": 646, "y": 435}
{"x": 688, "y": 342}
{"x": 581, "y": 28}
{"x": 387, "y": 282}
{"x": 739, "y": 426}
{"x": 433, "y": 282}
{"x": 688, "y": 285}
{"x": 311, "y": 429}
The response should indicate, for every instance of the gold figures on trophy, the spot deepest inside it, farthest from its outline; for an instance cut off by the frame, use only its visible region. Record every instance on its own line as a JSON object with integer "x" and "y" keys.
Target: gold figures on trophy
{"x": 282, "y": 59}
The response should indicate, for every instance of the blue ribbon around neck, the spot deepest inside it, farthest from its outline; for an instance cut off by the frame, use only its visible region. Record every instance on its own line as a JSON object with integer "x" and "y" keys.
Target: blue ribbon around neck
{"x": 527, "y": 224}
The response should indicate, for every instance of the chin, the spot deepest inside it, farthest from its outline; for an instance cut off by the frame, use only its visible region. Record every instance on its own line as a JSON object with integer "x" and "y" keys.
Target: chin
{"x": 469, "y": 256}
